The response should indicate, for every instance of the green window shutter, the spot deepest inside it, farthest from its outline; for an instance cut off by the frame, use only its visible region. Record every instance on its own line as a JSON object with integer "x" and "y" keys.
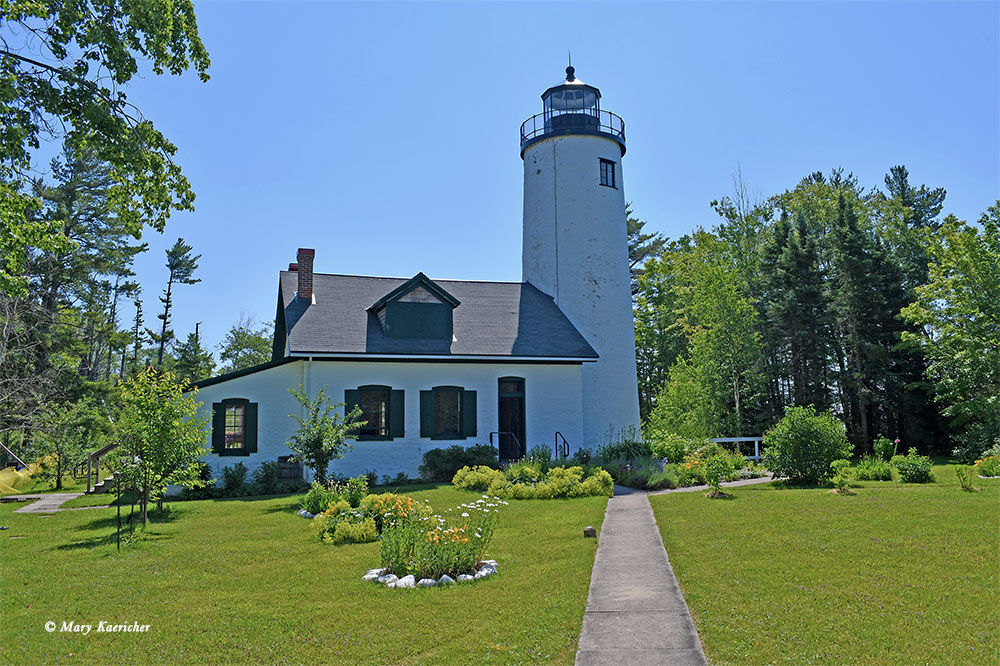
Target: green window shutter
{"x": 396, "y": 413}
{"x": 468, "y": 413}
{"x": 427, "y": 413}
{"x": 250, "y": 436}
{"x": 218, "y": 427}
{"x": 352, "y": 397}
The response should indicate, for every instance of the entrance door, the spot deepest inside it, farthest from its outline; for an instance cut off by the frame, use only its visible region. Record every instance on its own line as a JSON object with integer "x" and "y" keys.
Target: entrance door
{"x": 511, "y": 418}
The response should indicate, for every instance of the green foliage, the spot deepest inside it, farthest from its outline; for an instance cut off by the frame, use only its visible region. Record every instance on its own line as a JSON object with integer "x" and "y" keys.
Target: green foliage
{"x": 386, "y": 507}
{"x": 67, "y": 432}
{"x": 540, "y": 454}
{"x": 181, "y": 265}
{"x": 988, "y": 466}
{"x": 430, "y": 547}
{"x": 803, "y": 444}
{"x": 964, "y": 475}
{"x": 318, "y": 498}
{"x": 624, "y": 447}
{"x": 525, "y": 480}
{"x": 913, "y": 468}
{"x": 718, "y": 468}
{"x": 642, "y": 473}
{"x": 884, "y": 448}
{"x": 65, "y": 67}
{"x": 352, "y": 490}
{"x": 582, "y": 456}
{"x": 321, "y": 433}
{"x": 246, "y": 345}
{"x": 956, "y": 316}
{"x": 160, "y": 434}
{"x": 477, "y": 478}
{"x": 841, "y": 475}
{"x": 442, "y": 464}
{"x": 192, "y": 361}
{"x": 234, "y": 480}
{"x": 673, "y": 448}
{"x": 873, "y": 469}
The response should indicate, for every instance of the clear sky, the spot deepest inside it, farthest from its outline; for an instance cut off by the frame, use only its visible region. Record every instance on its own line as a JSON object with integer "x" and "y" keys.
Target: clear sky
{"x": 385, "y": 135}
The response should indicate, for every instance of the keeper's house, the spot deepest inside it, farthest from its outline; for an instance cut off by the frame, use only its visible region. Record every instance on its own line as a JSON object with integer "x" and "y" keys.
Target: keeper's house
{"x": 433, "y": 363}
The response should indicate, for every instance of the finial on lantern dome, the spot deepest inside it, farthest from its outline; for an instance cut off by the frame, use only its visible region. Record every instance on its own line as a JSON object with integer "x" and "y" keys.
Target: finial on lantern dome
{"x": 570, "y": 72}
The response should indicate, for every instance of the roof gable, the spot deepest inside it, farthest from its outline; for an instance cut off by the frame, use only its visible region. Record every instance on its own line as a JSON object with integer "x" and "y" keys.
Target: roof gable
{"x": 416, "y": 284}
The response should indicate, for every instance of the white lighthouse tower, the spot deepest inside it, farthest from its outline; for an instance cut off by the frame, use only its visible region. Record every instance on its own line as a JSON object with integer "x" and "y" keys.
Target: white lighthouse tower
{"x": 575, "y": 243}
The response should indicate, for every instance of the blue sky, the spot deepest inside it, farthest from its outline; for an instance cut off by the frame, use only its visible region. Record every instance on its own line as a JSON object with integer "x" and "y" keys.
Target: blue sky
{"x": 385, "y": 135}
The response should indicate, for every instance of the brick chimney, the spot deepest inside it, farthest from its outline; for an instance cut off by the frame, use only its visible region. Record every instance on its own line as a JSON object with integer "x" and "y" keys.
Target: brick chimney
{"x": 305, "y": 271}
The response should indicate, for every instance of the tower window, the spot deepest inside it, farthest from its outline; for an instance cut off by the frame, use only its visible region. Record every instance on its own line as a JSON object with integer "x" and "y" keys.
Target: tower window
{"x": 608, "y": 173}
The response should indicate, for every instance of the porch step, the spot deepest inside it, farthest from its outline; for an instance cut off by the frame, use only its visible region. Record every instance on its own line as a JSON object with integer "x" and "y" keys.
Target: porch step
{"x": 104, "y": 486}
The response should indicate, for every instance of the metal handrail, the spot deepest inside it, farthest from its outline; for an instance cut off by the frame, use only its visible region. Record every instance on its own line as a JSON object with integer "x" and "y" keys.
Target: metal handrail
{"x": 565, "y": 446}
{"x": 500, "y": 432}
{"x": 588, "y": 121}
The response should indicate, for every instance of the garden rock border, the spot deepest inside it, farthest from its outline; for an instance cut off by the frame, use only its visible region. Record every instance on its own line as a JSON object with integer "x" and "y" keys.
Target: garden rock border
{"x": 484, "y": 569}
{"x": 306, "y": 514}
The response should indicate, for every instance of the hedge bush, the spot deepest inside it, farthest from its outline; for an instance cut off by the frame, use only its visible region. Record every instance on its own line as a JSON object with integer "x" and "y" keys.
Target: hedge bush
{"x": 802, "y": 445}
{"x": 560, "y": 481}
{"x": 913, "y": 468}
{"x": 873, "y": 469}
{"x": 442, "y": 464}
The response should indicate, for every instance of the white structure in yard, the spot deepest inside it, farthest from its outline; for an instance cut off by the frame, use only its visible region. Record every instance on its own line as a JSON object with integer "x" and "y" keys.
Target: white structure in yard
{"x": 432, "y": 363}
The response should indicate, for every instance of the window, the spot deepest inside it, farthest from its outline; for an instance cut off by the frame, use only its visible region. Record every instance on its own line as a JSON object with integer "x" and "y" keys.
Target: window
{"x": 234, "y": 427}
{"x": 448, "y": 412}
{"x": 375, "y": 411}
{"x": 608, "y": 173}
{"x": 381, "y": 409}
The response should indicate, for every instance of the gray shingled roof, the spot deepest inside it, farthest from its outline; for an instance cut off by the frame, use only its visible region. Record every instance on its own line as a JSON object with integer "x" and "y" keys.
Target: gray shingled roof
{"x": 494, "y": 319}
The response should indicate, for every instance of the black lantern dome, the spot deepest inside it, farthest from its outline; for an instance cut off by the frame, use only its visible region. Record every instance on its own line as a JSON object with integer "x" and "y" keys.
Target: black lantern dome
{"x": 572, "y": 107}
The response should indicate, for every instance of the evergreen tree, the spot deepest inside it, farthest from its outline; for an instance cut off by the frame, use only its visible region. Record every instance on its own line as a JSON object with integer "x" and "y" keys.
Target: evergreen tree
{"x": 181, "y": 265}
{"x": 192, "y": 361}
{"x": 641, "y": 246}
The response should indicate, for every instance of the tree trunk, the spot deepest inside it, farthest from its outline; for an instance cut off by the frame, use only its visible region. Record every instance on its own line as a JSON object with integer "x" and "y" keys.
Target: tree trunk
{"x": 163, "y": 329}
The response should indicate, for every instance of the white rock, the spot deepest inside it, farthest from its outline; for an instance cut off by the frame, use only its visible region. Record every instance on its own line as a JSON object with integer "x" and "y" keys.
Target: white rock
{"x": 378, "y": 572}
{"x": 405, "y": 582}
{"x": 387, "y": 579}
{"x": 446, "y": 580}
{"x": 464, "y": 577}
{"x": 492, "y": 562}
{"x": 306, "y": 514}
{"x": 426, "y": 582}
{"x": 370, "y": 576}
{"x": 484, "y": 572}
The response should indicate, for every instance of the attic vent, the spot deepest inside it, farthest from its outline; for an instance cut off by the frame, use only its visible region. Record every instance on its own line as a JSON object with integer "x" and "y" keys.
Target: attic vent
{"x": 419, "y": 295}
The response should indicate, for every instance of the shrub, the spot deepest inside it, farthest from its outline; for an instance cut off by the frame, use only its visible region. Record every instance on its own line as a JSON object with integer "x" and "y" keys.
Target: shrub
{"x": 391, "y": 506}
{"x": 841, "y": 475}
{"x": 964, "y": 474}
{"x": 979, "y": 441}
{"x": 352, "y": 490}
{"x": 477, "y": 478}
{"x": 642, "y": 473}
{"x": 673, "y": 447}
{"x": 525, "y": 471}
{"x": 719, "y": 468}
{"x": 349, "y": 532}
{"x": 432, "y": 546}
{"x": 913, "y": 468}
{"x": 884, "y": 448}
{"x": 540, "y": 454}
{"x": 441, "y": 464}
{"x": 624, "y": 448}
{"x": 318, "y": 498}
{"x": 560, "y": 481}
{"x": 802, "y": 445}
{"x": 873, "y": 469}
{"x": 340, "y": 524}
{"x": 989, "y": 466}
{"x": 234, "y": 480}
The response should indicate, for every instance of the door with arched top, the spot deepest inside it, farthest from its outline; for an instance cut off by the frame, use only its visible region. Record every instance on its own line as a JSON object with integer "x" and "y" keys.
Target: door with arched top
{"x": 510, "y": 405}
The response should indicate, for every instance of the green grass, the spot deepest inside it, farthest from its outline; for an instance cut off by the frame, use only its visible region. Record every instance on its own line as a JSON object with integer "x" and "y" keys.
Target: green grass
{"x": 247, "y": 581}
{"x": 897, "y": 574}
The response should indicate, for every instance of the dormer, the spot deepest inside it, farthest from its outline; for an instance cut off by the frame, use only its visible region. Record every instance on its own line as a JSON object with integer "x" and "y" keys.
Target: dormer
{"x": 418, "y": 308}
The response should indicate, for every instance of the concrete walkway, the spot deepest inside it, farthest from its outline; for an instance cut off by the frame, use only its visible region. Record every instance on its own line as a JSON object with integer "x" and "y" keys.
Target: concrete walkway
{"x": 636, "y": 615}
{"x": 47, "y": 503}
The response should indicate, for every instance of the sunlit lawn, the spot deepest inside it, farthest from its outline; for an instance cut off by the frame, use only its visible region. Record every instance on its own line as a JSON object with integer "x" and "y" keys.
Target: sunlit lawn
{"x": 897, "y": 574}
{"x": 247, "y": 581}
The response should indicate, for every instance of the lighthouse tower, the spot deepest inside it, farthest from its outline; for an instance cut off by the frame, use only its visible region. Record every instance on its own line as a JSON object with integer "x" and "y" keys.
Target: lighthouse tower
{"x": 575, "y": 243}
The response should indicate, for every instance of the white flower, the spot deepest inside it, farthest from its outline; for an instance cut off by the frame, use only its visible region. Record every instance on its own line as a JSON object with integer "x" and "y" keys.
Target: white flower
{"x": 465, "y": 514}
{"x": 485, "y": 496}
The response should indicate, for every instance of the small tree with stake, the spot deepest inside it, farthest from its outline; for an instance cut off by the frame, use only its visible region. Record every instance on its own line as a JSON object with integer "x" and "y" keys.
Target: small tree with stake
{"x": 160, "y": 435}
{"x": 322, "y": 433}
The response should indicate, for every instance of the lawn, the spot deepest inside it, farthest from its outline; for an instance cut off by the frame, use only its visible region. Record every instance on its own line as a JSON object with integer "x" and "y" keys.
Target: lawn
{"x": 247, "y": 581}
{"x": 897, "y": 574}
